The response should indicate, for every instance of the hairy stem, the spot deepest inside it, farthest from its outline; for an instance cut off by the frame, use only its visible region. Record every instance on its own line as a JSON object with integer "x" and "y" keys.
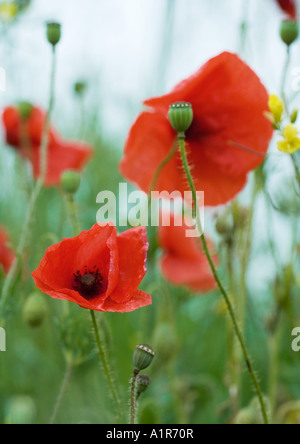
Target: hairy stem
{"x": 133, "y": 397}
{"x": 105, "y": 364}
{"x": 220, "y": 285}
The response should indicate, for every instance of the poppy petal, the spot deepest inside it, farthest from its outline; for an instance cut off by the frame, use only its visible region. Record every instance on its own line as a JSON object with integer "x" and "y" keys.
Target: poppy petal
{"x": 132, "y": 246}
{"x": 140, "y": 299}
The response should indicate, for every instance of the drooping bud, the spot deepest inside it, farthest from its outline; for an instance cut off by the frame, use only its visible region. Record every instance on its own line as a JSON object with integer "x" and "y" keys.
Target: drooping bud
{"x": 25, "y": 110}
{"x": 53, "y": 33}
{"x": 35, "y": 310}
{"x": 70, "y": 182}
{"x": 181, "y": 116}
{"x": 142, "y": 357}
{"x": 142, "y": 383}
{"x": 289, "y": 31}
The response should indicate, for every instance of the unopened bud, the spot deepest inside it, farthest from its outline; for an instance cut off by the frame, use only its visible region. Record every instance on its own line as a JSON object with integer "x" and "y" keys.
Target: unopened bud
{"x": 80, "y": 88}
{"x": 289, "y": 31}
{"x": 25, "y": 110}
{"x": 142, "y": 357}
{"x": 294, "y": 116}
{"x": 70, "y": 182}
{"x": 53, "y": 33}
{"x": 142, "y": 383}
{"x": 181, "y": 116}
{"x": 35, "y": 310}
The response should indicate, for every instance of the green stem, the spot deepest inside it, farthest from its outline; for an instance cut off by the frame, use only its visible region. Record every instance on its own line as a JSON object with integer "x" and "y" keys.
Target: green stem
{"x": 220, "y": 285}
{"x": 10, "y": 277}
{"x": 105, "y": 364}
{"x": 66, "y": 379}
{"x": 73, "y": 215}
{"x": 160, "y": 168}
{"x": 275, "y": 342}
{"x": 284, "y": 76}
{"x": 133, "y": 398}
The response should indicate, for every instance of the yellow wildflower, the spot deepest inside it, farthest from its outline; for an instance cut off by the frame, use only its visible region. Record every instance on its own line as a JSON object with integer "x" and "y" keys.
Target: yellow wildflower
{"x": 291, "y": 142}
{"x": 276, "y": 107}
{"x": 8, "y": 11}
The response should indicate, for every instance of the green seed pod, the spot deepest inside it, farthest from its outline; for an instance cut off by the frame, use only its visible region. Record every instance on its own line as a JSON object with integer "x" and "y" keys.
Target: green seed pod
{"x": 70, "y": 182}
{"x": 53, "y": 33}
{"x": 289, "y": 31}
{"x": 20, "y": 410}
{"x": 142, "y": 357}
{"x": 35, "y": 310}
{"x": 25, "y": 110}
{"x": 181, "y": 116}
{"x": 142, "y": 383}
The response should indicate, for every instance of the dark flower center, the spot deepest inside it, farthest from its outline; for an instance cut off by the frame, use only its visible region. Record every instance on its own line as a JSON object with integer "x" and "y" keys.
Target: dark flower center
{"x": 89, "y": 283}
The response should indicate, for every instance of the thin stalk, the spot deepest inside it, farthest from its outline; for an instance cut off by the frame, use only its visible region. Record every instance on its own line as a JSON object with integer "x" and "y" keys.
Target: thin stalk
{"x": 73, "y": 215}
{"x": 284, "y": 75}
{"x": 66, "y": 379}
{"x": 133, "y": 398}
{"x": 105, "y": 364}
{"x": 220, "y": 285}
{"x": 9, "y": 280}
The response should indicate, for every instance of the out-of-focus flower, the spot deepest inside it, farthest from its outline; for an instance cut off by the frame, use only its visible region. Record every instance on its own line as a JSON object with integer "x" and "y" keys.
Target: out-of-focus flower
{"x": 291, "y": 142}
{"x": 289, "y": 7}
{"x": 8, "y": 11}
{"x": 227, "y": 139}
{"x": 182, "y": 262}
{"x": 24, "y": 131}
{"x": 98, "y": 270}
{"x": 7, "y": 255}
{"x": 277, "y": 108}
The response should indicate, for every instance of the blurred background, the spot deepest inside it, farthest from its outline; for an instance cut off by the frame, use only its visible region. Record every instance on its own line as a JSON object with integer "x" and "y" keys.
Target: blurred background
{"x": 126, "y": 51}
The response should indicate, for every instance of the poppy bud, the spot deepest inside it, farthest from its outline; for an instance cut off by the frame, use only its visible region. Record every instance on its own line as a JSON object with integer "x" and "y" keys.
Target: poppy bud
{"x": 70, "y": 182}
{"x": 165, "y": 342}
{"x": 289, "y": 31}
{"x": 80, "y": 88}
{"x": 35, "y": 310}
{"x": 181, "y": 116}
{"x": 53, "y": 33}
{"x": 142, "y": 357}
{"x": 25, "y": 109}
{"x": 142, "y": 383}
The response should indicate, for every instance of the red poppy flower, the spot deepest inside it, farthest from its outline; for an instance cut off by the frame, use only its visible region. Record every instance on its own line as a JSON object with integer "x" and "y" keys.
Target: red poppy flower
{"x": 97, "y": 270}
{"x": 25, "y": 135}
{"x": 228, "y": 137}
{"x": 182, "y": 262}
{"x": 7, "y": 256}
{"x": 289, "y": 7}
